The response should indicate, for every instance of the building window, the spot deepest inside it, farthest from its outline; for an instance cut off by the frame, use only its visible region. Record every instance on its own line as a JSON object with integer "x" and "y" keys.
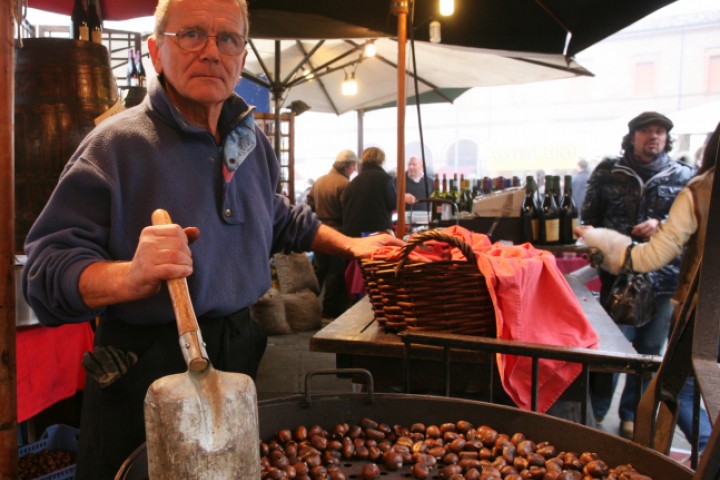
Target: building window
{"x": 714, "y": 74}
{"x": 645, "y": 79}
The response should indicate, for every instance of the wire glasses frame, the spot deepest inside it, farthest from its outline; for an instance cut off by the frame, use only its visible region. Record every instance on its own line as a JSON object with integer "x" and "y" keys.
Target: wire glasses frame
{"x": 195, "y": 39}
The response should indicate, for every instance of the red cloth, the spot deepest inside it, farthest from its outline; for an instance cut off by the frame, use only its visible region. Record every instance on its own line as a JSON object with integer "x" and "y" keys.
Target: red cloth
{"x": 570, "y": 264}
{"x": 533, "y": 303}
{"x": 49, "y": 365}
{"x": 354, "y": 283}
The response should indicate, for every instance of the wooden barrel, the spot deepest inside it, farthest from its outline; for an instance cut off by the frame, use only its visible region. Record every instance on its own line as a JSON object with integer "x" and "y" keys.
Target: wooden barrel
{"x": 61, "y": 86}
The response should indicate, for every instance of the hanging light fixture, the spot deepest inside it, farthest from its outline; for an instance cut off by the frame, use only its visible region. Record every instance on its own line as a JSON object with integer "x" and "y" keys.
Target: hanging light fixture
{"x": 349, "y": 85}
{"x": 370, "y": 50}
{"x": 447, "y": 7}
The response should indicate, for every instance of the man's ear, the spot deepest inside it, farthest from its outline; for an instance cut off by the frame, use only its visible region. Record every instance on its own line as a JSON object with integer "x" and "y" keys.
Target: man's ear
{"x": 154, "y": 50}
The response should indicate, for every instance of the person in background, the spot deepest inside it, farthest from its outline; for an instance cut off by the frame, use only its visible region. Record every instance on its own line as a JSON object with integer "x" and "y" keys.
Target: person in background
{"x": 192, "y": 148}
{"x": 579, "y": 182}
{"x": 684, "y": 229}
{"x": 417, "y": 185}
{"x": 370, "y": 198}
{"x": 632, "y": 194}
{"x": 325, "y": 198}
{"x": 540, "y": 181}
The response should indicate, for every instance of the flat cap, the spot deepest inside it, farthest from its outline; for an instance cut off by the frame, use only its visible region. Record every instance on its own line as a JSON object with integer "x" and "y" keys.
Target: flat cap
{"x": 650, "y": 118}
{"x": 346, "y": 156}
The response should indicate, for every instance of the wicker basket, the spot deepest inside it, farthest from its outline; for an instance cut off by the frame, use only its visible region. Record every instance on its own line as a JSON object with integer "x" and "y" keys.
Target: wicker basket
{"x": 448, "y": 295}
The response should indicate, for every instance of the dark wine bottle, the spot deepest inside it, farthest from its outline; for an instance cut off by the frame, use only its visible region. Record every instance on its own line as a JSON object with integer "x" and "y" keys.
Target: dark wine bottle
{"x": 436, "y": 207}
{"x": 568, "y": 213}
{"x": 528, "y": 213}
{"x": 140, "y": 69}
{"x": 78, "y": 20}
{"x": 94, "y": 22}
{"x": 132, "y": 73}
{"x": 551, "y": 213}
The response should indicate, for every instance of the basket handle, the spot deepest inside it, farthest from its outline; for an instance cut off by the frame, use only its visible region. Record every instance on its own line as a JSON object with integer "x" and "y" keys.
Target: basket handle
{"x": 438, "y": 235}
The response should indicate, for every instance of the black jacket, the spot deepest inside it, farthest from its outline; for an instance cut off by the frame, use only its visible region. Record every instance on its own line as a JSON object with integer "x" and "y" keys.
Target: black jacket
{"x": 368, "y": 202}
{"x": 617, "y": 198}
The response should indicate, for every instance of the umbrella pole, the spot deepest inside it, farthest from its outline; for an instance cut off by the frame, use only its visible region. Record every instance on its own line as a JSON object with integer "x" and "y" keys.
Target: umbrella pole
{"x": 8, "y": 399}
{"x": 400, "y": 8}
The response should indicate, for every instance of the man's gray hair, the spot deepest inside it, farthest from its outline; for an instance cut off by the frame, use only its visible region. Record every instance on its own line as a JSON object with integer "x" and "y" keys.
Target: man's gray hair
{"x": 163, "y": 6}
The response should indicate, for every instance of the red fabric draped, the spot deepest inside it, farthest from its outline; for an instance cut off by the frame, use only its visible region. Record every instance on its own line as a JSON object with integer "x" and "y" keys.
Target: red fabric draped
{"x": 49, "y": 365}
{"x": 533, "y": 303}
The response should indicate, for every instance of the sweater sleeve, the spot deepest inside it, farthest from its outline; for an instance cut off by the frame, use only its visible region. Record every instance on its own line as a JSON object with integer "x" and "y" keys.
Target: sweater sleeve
{"x": 668, "y": 242}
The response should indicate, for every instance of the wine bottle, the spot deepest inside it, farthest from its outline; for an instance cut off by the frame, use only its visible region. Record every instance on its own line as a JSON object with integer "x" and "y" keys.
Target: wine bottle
{"x": 78, "y": 19}
{"x": 468, "y": 196}
{"x": 451, "y": 196}
{"x": 551, "y": 213}
{"x": 140, "y": 69}
{"x": 94, "y": 22}
{"x": 528, "y": 214}
{"x": 132, "y": 73}
{"x": 436, "y": 207}
{"x": 568, "y": 213}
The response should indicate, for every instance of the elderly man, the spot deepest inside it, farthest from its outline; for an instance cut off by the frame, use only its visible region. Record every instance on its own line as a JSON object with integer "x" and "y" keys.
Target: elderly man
{"x": 417, "y": 185}
{"x": 191, "y": 148}
{"x": 633, "y": 194}
{"x": 325, "y": 198}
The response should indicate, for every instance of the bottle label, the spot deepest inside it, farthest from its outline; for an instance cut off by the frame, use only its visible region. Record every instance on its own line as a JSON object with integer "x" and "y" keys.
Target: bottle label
{"x": 575, "y": 223}
{"x": 535, "y": 229}
{"x": 552, "y": 230}
{"x": 84, "y": 32}
{"x": 97, "y": 36}
{"x": 446, "y": 212}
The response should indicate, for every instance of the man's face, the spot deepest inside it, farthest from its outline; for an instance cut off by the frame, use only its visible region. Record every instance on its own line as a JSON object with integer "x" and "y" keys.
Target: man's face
{"x": 414, "y": 168}
{"x": 649, "y": 141}
{"x": 350, "y": 168}
{"x": 205, "y": 77}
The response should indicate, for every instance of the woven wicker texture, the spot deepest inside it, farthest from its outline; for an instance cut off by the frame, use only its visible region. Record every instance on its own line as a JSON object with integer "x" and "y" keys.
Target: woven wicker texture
{"x": 446, "y": 295}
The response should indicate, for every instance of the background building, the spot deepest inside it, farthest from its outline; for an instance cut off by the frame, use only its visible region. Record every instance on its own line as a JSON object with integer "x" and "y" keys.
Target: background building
{"x": 669, "y": 62}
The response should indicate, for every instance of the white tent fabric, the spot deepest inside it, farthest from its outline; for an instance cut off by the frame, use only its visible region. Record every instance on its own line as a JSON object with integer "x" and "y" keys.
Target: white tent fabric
{"x": 439, "y": 66}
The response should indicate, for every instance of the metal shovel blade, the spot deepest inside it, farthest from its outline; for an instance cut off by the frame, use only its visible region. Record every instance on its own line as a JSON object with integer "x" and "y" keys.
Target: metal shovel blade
{"x": 202, "y": 425}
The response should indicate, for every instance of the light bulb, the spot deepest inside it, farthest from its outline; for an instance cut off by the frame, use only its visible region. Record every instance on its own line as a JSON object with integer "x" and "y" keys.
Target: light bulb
{"x": 447, "y": 7}
{"x": 370, "y": 50}
{"x": 349, "y": 85}
{"x": 435, "y": 36}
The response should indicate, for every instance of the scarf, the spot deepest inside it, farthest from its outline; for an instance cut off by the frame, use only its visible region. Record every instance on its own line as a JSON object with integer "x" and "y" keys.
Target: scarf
{"x": 647, "y": 170}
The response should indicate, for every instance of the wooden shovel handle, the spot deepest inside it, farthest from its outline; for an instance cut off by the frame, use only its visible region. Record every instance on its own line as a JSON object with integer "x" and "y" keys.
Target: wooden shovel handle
{"x": 187, "y": 324}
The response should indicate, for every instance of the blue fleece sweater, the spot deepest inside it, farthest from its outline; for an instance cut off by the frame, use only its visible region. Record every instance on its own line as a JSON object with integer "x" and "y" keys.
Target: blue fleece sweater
{"x": 150, "y": 157}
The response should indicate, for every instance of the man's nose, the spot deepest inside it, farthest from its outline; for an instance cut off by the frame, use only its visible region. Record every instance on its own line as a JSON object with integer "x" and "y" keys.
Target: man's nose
{"x": 211, "y": 47}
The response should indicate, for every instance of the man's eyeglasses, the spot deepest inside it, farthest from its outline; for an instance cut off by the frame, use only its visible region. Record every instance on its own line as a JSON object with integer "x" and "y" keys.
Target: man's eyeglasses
{"x": 194, "y": 39}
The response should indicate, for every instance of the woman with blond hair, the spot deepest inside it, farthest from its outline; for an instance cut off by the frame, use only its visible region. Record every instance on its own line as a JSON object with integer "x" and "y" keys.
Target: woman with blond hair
{"x": 370, "y": 198}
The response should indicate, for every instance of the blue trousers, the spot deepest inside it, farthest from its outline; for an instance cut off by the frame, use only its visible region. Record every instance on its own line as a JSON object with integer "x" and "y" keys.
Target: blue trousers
{"x": 685, "y": 415}
{"x": 650, "y": 340}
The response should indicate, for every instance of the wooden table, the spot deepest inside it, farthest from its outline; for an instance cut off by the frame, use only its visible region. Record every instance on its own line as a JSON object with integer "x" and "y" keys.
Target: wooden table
{"x": 359, "y": 342}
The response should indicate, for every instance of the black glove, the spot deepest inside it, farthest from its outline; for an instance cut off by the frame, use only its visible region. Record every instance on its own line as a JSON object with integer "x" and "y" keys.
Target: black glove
{"x": 108, "y": 364}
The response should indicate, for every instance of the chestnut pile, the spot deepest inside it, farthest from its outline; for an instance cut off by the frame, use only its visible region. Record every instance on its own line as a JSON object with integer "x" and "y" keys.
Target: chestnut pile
{"x": 38, "y": 464}
{"x": 452, "y": 451}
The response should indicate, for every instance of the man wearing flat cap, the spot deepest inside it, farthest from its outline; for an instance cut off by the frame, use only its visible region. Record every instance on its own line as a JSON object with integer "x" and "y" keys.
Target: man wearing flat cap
{"x": 632, "y": 194}
{"x": 325, "y": 199}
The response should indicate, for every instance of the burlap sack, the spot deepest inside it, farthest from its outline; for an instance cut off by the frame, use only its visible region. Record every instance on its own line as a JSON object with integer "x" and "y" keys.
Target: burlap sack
{"x": 303, "y": 310}
{"x": 269, "y": 312}
{"x": 295, "y": 273}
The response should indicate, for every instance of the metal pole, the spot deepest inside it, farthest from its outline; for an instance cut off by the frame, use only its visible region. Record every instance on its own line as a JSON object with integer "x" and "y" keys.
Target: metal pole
{"x": 360, "y": 132}
{"x": 8, "y": 399}
{"x": 400, "y": 8}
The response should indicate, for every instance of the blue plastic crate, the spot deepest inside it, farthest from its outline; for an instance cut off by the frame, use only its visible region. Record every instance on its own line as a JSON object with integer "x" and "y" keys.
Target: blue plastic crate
{"x": 55, "y": 437}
